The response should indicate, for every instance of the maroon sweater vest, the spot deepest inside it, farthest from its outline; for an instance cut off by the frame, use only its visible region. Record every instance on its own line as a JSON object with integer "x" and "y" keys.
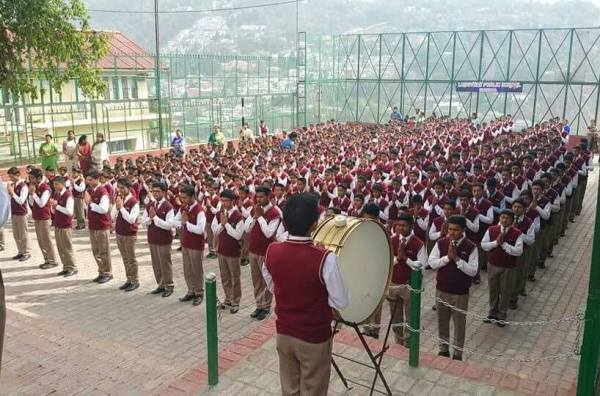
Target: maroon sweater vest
{"x": 61, "y": 220}
{"x": 401, "y": 272}
{"x": 156, "y": 235}
{"x": 524, "y": 226}
{"x": 229, "y": 246}
{"x": 97, "y": 221}
{"x": 214, "y": 201}
{"x": 258, "y": 241}
{"x": 449, "y": 278}
{"x": 419, "y": 233}
{"x": 44, "y": 212}
{"x": 439, "y": 225}
{"x": 15, "y": 208}
{"x": 122, "y": 227}
{"x": 189, "y": 240}
{"x": 497, "y": 256}
{"x": 302, "y": 305}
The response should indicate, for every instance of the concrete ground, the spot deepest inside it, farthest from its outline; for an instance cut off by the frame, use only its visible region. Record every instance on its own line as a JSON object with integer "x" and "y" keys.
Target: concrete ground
{"x": 69, "y": 336}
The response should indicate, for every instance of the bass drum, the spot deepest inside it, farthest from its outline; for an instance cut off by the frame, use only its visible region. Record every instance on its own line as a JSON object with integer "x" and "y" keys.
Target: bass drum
{"x": 365, "y": 258}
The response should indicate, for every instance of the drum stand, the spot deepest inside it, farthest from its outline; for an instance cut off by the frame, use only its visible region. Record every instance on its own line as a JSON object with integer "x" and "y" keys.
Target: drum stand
{"x": 376, "y": 359}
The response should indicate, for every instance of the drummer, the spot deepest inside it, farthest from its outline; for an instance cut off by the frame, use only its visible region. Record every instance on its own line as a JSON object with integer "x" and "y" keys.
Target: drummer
{"x": 456, "y": 259}
{"x": 307, "y": 283}
{"x": 410, "y": 256}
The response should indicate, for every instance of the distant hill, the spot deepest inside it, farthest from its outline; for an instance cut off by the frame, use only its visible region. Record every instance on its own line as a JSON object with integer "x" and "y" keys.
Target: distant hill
{"x": 272, "y": 30}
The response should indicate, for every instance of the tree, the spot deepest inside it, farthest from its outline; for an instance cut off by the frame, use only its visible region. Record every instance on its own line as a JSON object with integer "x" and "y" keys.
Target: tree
{"x": 48, "y": 40}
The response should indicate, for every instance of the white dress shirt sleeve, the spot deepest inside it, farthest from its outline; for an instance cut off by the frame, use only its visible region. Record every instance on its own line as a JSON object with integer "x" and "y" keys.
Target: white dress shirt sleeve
{"x": 167, "y": 223}
{"x": 43, "y": 200}
{"x": 130, "y": 216}
{"x": 473, "y": 225}
{"x": 434, "y": 234}
{"x": 336, "y": 288}
{"x": 146, "y": 220}
{"x": 103, "y": 207}
{"x": 237, "y": 232}
{"x": 68, "y": 208}
{"x": 268, "y": 229}
{"x": 200, "y": 225}
{"x": 488, "y": 218}
{"x": 515, "y": 250}
{"x": 435, "y": 261}
{"x": 79, "y": 187}
{"x": 529, "y": 238}
{"x": 545, "y": 212}
{"x": 469, "y": 267}
{"x": 486, "y": 244}
{"x": 22, "y": 197}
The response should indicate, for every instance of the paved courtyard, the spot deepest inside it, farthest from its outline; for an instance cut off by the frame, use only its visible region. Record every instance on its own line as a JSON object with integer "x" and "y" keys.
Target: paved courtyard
{"x": 70, "y": 336}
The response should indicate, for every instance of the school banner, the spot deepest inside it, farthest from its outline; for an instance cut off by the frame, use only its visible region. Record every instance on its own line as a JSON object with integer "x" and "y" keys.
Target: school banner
{"x": 480, "y": 86}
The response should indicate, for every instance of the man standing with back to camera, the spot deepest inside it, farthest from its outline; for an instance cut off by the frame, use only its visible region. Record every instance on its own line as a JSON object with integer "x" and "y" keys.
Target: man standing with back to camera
{"x": 306, "y": 282}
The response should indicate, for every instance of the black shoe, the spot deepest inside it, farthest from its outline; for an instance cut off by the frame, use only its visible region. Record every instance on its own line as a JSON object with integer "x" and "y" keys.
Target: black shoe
{"x": 158, "y": 290}
{"x": 179, "y": 249}
{"x": 25, "y": 257}
{"x": 571, "y": 220}
{"x": 167, "y": 293}
{"x": 48, "y": 265}
{"x": 434, "y": 307}
{"x": 234, "y": 309}
{"x": 105, "y": 278}
{"x": 17, "y": 257}
{"x": 255, "y": 313}
{"x": 224, "y": 305}
{"x": 211, "y": 255}
{"x": 523, "y": 293}
{"x": 489, "y": 319}
{"x": 262, "y": 314}
{"x": 132, "y": 287}
{"x": 96, "y": 279}
{"x": 512, "y": 305}
{"x": 124, "y": 285}
{"x": 1, "y": 248}
{"x": 244, "y": 262}
{"x": 71, "y": 273}
{"x": 500, "y": 324}
{"x": 197, "y": 300}
{"x": 456, "y": 357}
{"x": 476, "y": 280}
{"x": 531, "y": 278}
{"x": 444, "y": 354}
{"x": 62, "y": 273}
{"x": 541, "y": 265}
{"x": 370, "y": 333}
{"x": 187, "y": 297}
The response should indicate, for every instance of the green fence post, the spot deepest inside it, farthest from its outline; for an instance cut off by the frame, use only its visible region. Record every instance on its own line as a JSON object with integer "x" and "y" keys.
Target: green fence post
{"x": 211, "y": 328}
{"x": 416, "y": 279}
{"x": 590, "y": 347}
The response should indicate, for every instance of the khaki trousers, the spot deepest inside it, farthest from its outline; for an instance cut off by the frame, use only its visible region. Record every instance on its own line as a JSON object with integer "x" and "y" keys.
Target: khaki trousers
{"x": 210, "y": 238}
{"x": 373, "y": 324}
{"x": 304, "y": 367}
{"x": 42, "y": 232}
{"x": 399, "y": 301}
{"x": 262, "y": 295}
{"x": 64, "y": 246}
{"x": 19, "y": 229}
{"x": 522, "y": 270}
{"x": 79, "y": 212}
{"x": 245, "y": 245}
{"x": 162, "y": 265}
{"x": 230, "y": 270}
{"x": 193, "y": 270}
{"x": 126, "y": 245}
{"x": 101, "y": 251}
{"x": 445, "y": 313}
{"x": 500, "y": 282}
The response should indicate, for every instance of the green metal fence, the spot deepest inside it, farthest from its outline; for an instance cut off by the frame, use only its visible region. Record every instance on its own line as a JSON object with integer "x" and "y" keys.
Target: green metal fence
{"x": 197, "y": 91}
{"x": 362, "y": 76}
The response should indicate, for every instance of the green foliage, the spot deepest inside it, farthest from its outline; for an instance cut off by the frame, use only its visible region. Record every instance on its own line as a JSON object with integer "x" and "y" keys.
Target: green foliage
{"x": 48, "y": 40}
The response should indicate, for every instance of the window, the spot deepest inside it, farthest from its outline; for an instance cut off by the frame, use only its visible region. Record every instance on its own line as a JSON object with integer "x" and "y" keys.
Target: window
{"x": 125, "y": 87}
{"x": 107, "y": 90}
{"x": 134, "y": 88}
{"x": 115, "y": 90}
{"x": 120, "y": 146}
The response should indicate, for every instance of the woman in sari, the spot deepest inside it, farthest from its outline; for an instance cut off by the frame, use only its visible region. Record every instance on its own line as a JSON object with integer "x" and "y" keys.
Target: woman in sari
{"x": 84, "y": 152}
{"x": 99, "y": 153}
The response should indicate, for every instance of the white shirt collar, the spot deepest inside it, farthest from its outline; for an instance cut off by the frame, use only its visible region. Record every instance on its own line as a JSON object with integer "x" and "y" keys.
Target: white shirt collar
{"x": 299, "y": 238}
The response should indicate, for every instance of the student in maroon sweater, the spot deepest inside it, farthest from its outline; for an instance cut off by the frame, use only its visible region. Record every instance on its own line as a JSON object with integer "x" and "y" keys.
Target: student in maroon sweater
{"x": 124, "y": 215}
{"x": 504, "y": 244}
{"x": 306, "y": 282}
{"x": 41, "y": 211}
{"x": 411, "y": 255}
{"x": 98, "y": 203}
{"x": 62, "y": 205}
{"x": 456, "y": 260}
